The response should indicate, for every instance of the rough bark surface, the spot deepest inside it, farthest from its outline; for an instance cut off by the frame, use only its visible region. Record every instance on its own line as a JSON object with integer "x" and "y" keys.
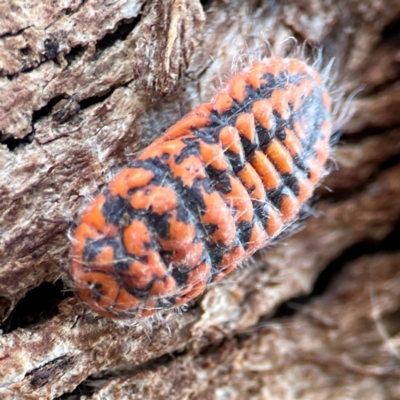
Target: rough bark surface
{"x": 84, "y": 86}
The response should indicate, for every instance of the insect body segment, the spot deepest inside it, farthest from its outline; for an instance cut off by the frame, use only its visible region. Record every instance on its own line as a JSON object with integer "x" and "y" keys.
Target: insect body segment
{"x": 216, "y": 187}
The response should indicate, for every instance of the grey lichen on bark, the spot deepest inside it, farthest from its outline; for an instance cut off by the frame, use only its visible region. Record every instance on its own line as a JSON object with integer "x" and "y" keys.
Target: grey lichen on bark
{"x": 86, "y": 85}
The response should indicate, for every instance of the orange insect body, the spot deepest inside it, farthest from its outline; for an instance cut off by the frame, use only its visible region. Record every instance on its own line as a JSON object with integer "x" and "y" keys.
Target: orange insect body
{"x": 216, "y": 187}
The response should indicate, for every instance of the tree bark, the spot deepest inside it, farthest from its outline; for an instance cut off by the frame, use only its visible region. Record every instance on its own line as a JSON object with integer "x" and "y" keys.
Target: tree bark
{"x": 84, "y": 86}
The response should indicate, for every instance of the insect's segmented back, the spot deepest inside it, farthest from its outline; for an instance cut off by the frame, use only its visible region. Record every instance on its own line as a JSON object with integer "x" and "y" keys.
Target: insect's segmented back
{"x": 217, "y": 186}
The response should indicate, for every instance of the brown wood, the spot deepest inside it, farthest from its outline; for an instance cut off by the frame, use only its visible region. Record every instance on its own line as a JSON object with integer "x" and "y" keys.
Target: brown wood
{"x": 86, "y": 85}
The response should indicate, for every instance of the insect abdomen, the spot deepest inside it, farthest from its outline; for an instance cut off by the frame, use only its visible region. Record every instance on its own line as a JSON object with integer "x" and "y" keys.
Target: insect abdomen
{"x": 216, "y": 187}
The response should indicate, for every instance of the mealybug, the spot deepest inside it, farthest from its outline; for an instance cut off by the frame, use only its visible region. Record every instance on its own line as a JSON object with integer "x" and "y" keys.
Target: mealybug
{"x": 217, "y": 186}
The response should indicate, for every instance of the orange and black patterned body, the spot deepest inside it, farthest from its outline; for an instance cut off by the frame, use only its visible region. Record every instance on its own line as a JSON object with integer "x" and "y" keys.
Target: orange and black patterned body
{"x": 216, "y": 187}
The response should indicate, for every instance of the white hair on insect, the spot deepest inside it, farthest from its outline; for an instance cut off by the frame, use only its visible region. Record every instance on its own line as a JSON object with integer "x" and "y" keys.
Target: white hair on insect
{"x": 316, "y": 60}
